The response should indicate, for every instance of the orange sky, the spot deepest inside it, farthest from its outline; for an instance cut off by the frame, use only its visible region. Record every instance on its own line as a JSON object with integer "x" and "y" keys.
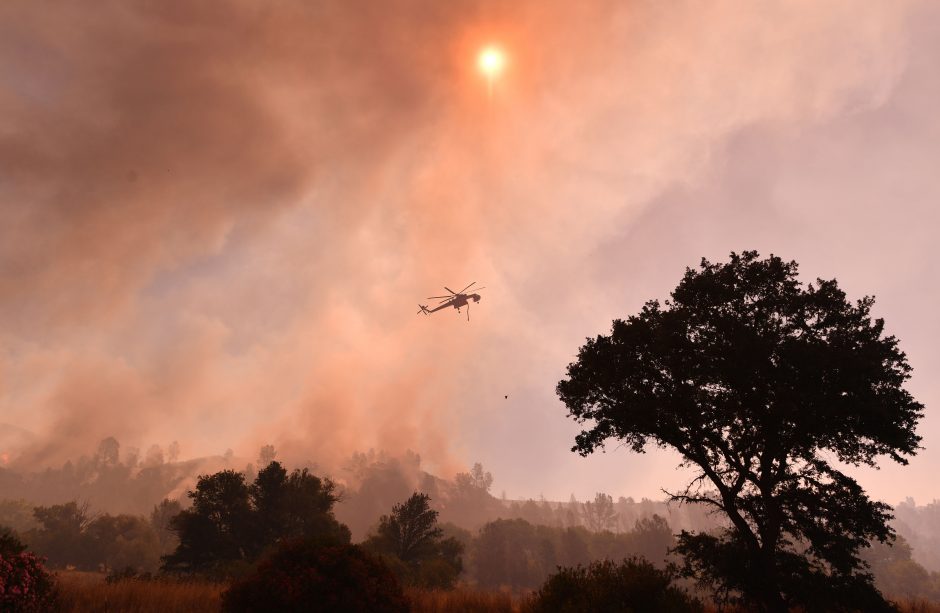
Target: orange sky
{"x": 216, "y": 225}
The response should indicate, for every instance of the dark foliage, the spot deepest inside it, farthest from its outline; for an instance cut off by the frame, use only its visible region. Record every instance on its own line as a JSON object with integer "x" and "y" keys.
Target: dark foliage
{"x": 10, "y": 543}
{"x": 25, "y": 585}
{"x": 68, "y": 535}
{"x": 513, "y": 552}
{"x": 517, "y": 554}
{"x": 307, "y": 577}
{"x": 231, "y": 523}
{"x": 60, "y": 536}
{"x": 160, "y": 519}
{"x": 607, "y": 587}
{"x": 414, "y": 545}
{"x": 758, "y": 382}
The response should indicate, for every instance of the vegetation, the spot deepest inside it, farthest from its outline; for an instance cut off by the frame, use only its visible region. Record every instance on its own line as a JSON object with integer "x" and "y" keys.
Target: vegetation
{"x": 608, "y": 587}
{"x": 69, "y": 535}
{"x": 516, "y": 553}
{"x": 759, "y": 383}
{"x": 230, "y": 523}
{"x": 84, "y": 592}
{"x": 25, "y": 585}
{"x": 305, "y": 576}
{"x": 88, "y": 593}
{"x": 410, "y": 540}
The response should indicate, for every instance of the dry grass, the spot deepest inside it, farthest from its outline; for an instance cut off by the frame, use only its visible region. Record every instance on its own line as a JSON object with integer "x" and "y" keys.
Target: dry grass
{"x": 918, "y": 606}
{"x": 88, "y": 592}
{"x": 462, "y": 600}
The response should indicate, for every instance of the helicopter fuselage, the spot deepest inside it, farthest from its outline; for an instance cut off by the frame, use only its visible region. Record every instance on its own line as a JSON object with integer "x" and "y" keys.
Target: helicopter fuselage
{"x": 457, "y": 300}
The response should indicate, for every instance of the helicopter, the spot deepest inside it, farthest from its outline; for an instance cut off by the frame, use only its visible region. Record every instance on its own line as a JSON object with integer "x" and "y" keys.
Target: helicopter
{"x": 455, "y": 299}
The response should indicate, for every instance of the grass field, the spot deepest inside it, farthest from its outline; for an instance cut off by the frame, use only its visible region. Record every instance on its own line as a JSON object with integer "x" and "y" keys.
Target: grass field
{"x": 88, "y": 593}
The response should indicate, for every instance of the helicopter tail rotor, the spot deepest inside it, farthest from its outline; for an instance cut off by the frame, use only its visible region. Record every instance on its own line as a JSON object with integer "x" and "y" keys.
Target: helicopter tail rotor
{"x": 423, "y": 309}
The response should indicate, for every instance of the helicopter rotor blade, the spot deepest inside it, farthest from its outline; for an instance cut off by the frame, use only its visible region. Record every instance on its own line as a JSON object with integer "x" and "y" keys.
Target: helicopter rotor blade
{"x": 435, "y": 297}
{"x": 450, "y": 290}
{"x": 466, "y": 288}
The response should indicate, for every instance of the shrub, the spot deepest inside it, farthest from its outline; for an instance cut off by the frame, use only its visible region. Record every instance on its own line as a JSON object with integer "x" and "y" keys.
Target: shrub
{"x": 25, "y": 586}
{"x": 633, "y": 585}
{"x": 10, "y": 544}
{"x": 305, "y": 576}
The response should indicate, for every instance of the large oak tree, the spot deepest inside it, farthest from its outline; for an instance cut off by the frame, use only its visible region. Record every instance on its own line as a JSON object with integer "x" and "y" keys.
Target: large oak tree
{"x": 767, "y": 388}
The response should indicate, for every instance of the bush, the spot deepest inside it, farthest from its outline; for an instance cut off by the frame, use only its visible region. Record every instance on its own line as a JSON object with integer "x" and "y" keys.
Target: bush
{"x": 25, "y": 586}
{"x": 633, "y": 585}
{"x": 305, "y": 576}
{"x": 10, "y": 543}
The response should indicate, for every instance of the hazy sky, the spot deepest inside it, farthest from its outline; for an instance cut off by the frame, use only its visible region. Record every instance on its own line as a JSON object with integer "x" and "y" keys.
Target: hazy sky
{"x": 217, "y": 219}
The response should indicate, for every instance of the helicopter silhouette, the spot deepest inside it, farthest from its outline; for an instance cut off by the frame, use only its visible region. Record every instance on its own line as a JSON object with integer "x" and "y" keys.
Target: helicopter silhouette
{"x": 456, "y": 300}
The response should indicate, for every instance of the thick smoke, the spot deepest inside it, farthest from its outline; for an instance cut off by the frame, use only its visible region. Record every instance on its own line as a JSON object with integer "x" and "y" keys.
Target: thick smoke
{"x": 218, "y": 219}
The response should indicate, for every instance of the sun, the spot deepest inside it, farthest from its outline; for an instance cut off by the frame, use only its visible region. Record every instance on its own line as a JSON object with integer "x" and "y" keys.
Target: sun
{"x": 491, "y": 61}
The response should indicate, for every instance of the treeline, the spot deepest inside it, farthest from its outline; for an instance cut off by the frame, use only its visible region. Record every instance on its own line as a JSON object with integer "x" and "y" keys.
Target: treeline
{"x": 503, "y": 542}
{"x": 71, "y": 536}
{"x": 230, "y": 523}
{"x": 121, "y": 480}
{"x": 920, "y": 525}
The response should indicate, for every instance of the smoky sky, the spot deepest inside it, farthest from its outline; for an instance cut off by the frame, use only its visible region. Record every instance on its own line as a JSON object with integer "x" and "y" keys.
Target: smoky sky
{"x": 218, "y": 219}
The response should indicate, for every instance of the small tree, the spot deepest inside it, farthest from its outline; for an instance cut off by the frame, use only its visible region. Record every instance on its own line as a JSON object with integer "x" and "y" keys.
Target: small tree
{"x": 759, "y": 383}
{"x": 217, "y": 529}
{"x": 61, "y": 534}
{"x": 600, "y": 515}
{"x": 10, "y": 543}
{"x": 411, "y": 536}
{"x": 160, "y": 520}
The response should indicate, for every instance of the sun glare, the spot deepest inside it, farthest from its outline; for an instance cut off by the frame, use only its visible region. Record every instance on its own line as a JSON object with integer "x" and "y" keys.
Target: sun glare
{"x": 491, "y": 61}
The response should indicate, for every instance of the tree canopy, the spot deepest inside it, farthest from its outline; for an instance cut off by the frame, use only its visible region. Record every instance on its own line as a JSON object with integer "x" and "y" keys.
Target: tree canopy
{"x": 232, "y": 522}
{"x": 414, "y": 545}
{"x": 765, "y": 386}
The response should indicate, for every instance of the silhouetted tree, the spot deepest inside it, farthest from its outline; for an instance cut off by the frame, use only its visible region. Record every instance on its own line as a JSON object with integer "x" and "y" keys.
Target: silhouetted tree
{"x": 122, "y": 542}
{"x": 10, "y": 543}
{"x": 410, "y": 534}
{"x": 60, "y": 535}
{"x": 477, "y": 478}
{"x": 217, "y": 529}
{"x": 160, "y": 519}
{"x": 231, "y": 522}
{"x": 651, "y": 538}
{"x": 266, "y": 455}
{"x": 294, "y": 505}
{"x": 600, "y": 515}
{"x": 513, "y": 552}
{"x": 760, "y": 383}
{"x": 108, "y": 452}
{"x": 469, "y": 503}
